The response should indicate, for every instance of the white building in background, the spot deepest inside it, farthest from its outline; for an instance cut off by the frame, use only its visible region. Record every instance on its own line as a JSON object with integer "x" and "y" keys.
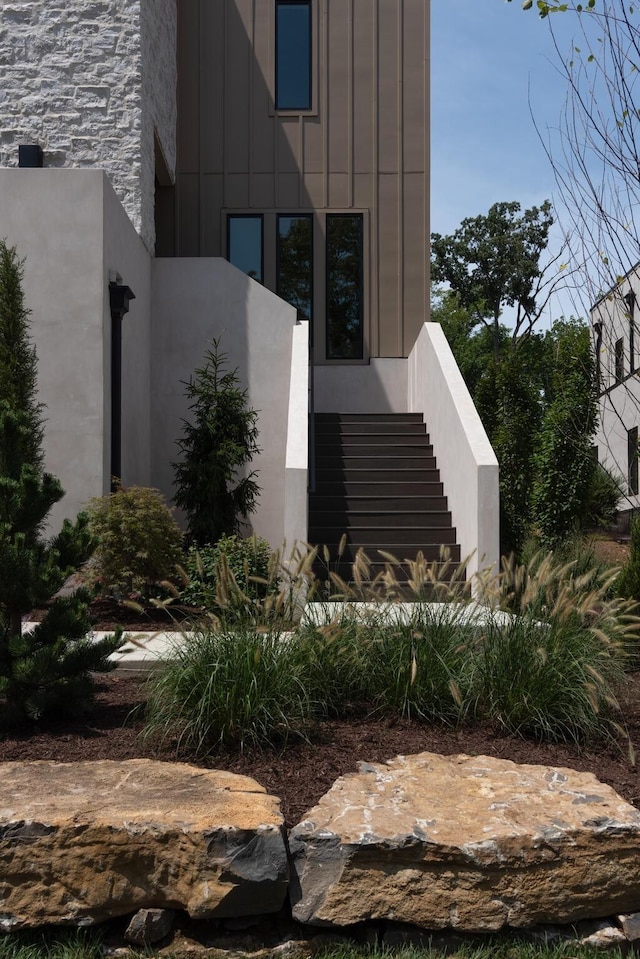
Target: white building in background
{"x": 188, "y": 167}
{"x": 616, "y": 332}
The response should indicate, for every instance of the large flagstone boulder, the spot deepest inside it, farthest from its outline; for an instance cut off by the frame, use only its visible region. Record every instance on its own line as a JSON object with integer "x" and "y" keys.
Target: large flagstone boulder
{"x": 469, "y": 843}
{"x": 82, "y": 842}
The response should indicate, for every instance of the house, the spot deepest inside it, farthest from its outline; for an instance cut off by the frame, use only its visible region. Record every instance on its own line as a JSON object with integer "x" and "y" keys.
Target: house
{"x": 614, "y": 321}
{"x": 175, "y": 168}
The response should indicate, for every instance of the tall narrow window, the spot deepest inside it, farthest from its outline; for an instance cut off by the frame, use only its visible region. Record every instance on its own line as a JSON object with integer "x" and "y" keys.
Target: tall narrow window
{"x": 619, "y": 360}
{"x": 293, "y": 54}
{"x": 244, "y": 245}
{"x": 344, "y": 287}
{"x": 632, "y": 459}
{"x": 630, "y": 300}
{"x": 294, "y": 264}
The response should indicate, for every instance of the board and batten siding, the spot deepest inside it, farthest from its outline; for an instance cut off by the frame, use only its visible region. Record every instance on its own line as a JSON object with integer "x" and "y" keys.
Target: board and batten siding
{"x": 362, "y": 147}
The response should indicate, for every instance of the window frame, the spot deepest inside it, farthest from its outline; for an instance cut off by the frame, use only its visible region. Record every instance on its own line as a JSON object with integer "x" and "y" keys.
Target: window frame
{"x": 246, "y": 216}
{"x": 310, "y": 218}
{"x": 630, "y": 303}
{"x": 312, "y": 109}
{"x": 632, "y": 461}
{"x": 618, "y": 358}
{"x": 330, "y": 216}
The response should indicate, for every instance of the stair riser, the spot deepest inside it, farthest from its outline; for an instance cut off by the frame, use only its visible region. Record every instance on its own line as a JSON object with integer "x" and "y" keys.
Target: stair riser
{"x": 342, "y": 463}
{"x": 444, "y": 572}
{"x": 363, "y": 488}
{"x": 335, "y": 455}
{"x": 378, "y": 504}
{"x": 329, "y": 444}
{"x": 322, "y": 519}
{"x": 389, "y": 476}
{"x": 383, "y": 537}
{"x": 419, "y": 430}
{"x": 408, "y": 551}
{"x": 321, "y": 418}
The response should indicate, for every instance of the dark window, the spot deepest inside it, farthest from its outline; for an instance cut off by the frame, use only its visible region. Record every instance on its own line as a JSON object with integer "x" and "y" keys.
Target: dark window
{"x": 295, "y": 259}
{"x": 344, "y": 286}
{"x": 630, "y": 300}
{"x": 244, "y": 244}
{"x": 293, "y": 55}
{"x": 632, "y": 459}
{"x": 619, "y": 360}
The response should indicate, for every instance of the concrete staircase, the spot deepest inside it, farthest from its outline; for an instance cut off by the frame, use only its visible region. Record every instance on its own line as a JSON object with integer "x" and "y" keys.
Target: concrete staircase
{"x": 377, "y": 482}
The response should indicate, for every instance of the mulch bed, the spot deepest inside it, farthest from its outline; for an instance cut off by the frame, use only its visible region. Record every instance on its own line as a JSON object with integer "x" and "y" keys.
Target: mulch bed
{"x": 303, "y": 772}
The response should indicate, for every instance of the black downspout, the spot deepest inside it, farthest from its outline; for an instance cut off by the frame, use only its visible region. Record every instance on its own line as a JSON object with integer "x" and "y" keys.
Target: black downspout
{"x": 119, "y": 297}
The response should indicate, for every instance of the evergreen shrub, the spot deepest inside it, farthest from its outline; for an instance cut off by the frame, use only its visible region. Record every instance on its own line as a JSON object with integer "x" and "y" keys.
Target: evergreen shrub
{"x": 219, "y": 441}
{"x": 47, "y": 670}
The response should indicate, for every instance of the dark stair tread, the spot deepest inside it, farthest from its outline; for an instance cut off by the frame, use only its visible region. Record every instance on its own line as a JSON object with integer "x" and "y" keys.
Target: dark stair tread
{"x": 394, "y": 519}
{"x": 374, "y": 441}
{"x": 368, "y": 417}
{"x": 377, "y": 487}
{"x": 364, "y": 487}
{"x": 326, "y": 503}
{"x": 370, "y": 475}
{"x": 401, "y": 552}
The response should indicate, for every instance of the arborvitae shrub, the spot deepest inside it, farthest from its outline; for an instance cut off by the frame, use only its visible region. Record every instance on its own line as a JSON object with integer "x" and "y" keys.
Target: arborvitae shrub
{"x": 46, "y": 671}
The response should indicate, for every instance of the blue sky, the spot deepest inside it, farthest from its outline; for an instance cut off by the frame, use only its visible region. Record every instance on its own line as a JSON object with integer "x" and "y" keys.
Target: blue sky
{"x": 488, "y": 59}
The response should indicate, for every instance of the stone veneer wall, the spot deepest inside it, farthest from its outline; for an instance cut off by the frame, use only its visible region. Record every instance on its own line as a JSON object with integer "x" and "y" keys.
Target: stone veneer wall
{"x": 89, "y": 80}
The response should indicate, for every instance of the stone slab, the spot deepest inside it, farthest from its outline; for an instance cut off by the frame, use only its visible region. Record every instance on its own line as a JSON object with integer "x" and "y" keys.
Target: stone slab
{"x": 470, "y": 843}
{"x": 82, "y": 842}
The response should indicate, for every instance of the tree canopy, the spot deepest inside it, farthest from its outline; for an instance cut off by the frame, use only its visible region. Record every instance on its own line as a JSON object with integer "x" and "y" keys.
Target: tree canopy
{"x": 493, "y": 261}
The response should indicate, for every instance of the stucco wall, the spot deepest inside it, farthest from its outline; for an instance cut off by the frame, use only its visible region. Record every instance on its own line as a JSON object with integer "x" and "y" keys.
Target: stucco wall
{"x": 71, "y": 79}
{"x": 54, "y": 218}
{"x": 378, "y": 387}
{"x": 73, "y": 232}
{"x": 468, "y": 466}
{"x": 193, "y": 300}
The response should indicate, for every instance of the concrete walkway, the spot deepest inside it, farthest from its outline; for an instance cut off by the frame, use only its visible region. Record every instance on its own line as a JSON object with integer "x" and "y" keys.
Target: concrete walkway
{"x": 143, "y": 650}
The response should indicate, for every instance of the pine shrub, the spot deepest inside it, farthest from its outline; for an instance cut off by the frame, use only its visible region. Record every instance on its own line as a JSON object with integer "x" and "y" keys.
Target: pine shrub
{"x": 219, "y": 441}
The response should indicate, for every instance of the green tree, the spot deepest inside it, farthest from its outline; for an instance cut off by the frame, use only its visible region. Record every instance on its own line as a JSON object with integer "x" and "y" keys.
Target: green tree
{"x": 537, "y": 404}
{"x": 218, "y": 442}
{"x": 564, "y": 467}
{"x": 48, "y": 669}
{"x": 493, "y": 261}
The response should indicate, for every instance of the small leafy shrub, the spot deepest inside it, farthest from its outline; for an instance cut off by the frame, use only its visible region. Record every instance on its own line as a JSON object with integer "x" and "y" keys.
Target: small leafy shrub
{"x": 138, "y": 542}
{"x": 232, "y": 575}
{"x": 606, "y": 491}
{"x": 628, "y": 582}
{"x": 228, "y": 689}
